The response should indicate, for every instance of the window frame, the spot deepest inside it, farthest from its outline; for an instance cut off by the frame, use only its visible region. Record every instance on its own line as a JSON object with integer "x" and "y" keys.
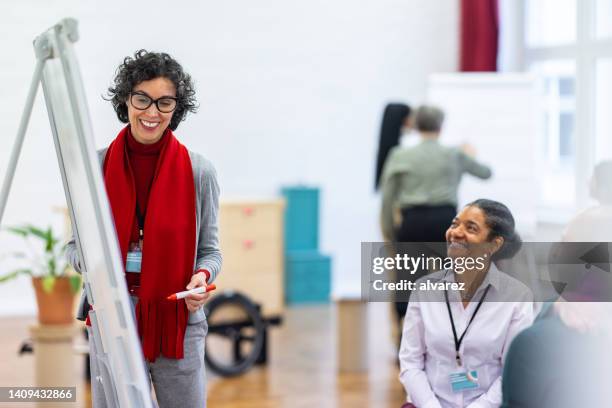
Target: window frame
{"x": 584, "y": 52}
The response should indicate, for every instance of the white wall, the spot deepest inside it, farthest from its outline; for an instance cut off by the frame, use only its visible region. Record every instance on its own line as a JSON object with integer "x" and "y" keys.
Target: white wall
{"x": 511, "y": 36}
{"x": 290, "y": 92}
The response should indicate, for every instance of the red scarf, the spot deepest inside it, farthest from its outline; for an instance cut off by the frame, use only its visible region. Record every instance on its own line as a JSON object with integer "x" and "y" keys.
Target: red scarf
{"x": 169, "y": 240}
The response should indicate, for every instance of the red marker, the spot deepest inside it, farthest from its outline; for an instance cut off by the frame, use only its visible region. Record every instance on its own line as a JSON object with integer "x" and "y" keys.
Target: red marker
{"x": 185, "y": 293}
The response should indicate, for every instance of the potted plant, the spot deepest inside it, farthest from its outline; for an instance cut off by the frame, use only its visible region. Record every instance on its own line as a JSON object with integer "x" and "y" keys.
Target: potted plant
{"x": 55, "y": 286}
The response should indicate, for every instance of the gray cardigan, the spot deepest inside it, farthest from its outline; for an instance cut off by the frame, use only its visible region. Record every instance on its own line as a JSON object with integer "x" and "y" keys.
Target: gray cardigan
{"x": 208, "y": 255}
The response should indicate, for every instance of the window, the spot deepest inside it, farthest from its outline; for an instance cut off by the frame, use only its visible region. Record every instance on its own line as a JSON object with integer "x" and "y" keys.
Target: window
{"x": 568, "y": 45}
{"x": 603, "y": 19}
{"x": 542, "y": 30}
{"x": 603, "y": 114}
{"x": 557, "y": 80}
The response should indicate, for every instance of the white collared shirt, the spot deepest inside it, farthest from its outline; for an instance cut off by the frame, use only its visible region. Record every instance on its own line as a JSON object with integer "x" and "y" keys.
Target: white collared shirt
{"x": 427, "y": 353}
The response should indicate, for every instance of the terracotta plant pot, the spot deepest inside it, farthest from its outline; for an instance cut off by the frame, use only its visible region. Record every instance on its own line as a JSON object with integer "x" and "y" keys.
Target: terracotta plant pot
{"x": 56, "y": 307}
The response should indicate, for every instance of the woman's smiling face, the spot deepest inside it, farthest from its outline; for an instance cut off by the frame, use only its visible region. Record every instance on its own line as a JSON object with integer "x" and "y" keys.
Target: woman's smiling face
{"x": 468, "y": 235}
{"x": 148, "y": 125}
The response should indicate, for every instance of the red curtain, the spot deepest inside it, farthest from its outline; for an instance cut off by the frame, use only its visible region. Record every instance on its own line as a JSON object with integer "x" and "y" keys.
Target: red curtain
{"x": 479, "y": 35}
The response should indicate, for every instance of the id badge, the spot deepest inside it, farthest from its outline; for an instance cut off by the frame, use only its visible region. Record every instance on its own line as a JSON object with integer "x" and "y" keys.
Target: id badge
{"x": 134, "y": 259}
{"x": 465, "y": 380}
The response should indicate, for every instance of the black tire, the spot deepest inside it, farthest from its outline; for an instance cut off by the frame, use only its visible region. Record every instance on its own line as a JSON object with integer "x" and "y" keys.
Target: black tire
{"x": 234, "y": 332}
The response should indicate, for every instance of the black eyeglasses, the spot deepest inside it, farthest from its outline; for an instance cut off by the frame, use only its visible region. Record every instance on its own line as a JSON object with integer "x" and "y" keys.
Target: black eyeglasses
{"x": 142, "y": 101}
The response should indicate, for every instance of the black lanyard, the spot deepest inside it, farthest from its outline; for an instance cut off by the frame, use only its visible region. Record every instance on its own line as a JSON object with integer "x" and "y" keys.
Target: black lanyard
{"x": 141, "y": 216}
{"x": 450, "y": 315}
{"x": 141, "y": 220}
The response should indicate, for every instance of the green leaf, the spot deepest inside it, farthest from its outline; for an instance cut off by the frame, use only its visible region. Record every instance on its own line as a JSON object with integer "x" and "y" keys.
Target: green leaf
{"x": 51, "y": 265}
{"x": 48, "y": 282}
{"x": 18, "y": 231}
{"x": 37, "y": 232}
{"x": 75, "y": 283}
{"x": 49, "y": 241}
{"x": 15, "y": 274}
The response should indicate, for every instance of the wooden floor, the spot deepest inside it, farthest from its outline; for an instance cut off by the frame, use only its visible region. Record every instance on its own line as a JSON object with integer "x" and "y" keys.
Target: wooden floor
{"x": 301, "y": 372}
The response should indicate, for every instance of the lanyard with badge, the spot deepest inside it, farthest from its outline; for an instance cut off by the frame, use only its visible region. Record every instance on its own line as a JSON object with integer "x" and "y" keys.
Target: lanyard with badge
{"x": 467, "y": 379}
{"x": 134, "y": 256}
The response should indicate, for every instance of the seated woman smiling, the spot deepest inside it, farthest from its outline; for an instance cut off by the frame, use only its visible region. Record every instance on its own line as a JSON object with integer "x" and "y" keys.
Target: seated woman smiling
{"x": 454, "y": 342}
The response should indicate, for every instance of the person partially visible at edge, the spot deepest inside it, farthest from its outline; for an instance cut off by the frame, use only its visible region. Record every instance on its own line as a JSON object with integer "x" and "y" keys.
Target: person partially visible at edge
{"x": 164, "y": 202}
{"x": 564, "y": 359}
{"x": 589, "y": 229}
{"x": 421, "y": 182}
{"x": 397, "y": 120}
{"x": 594, "y": 224}
{"x": 454, "y": 342}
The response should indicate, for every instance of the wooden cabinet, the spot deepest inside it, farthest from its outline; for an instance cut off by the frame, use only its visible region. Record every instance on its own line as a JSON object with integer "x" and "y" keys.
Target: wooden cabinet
{"x": 251, "y": 240}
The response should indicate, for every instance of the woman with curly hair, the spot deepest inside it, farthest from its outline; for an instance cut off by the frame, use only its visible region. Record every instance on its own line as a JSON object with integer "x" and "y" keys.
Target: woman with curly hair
{"x": 164, "y": 201}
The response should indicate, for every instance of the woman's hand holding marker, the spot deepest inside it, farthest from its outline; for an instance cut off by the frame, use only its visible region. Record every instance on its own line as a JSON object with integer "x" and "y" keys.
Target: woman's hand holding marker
{"x": 197, "y": 292}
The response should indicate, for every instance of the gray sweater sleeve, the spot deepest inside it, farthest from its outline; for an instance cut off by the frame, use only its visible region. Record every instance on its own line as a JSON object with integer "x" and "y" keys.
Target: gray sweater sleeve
{"x": 71, "y": 250}
{"x": 72, "y": 255}
{"x": 473, "y": 167}
{"x": 208, "y": 254}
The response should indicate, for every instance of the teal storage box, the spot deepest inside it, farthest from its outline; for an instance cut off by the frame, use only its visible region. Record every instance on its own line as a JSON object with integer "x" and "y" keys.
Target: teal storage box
{"x": 307, "y": 277}
{"x": 301, "y": 218}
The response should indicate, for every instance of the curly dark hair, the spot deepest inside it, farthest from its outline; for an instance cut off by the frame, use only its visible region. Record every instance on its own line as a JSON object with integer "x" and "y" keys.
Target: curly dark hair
{"x": 145, "y": 66}
{"x": 500, "y": 221}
